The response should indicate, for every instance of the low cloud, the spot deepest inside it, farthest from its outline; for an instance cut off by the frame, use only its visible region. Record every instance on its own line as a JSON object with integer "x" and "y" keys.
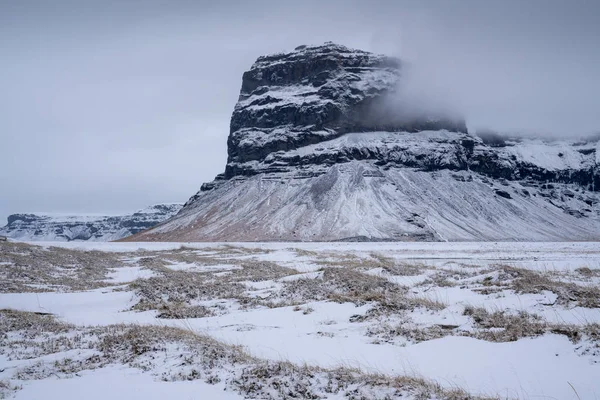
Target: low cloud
{"x": 110, "y": 106}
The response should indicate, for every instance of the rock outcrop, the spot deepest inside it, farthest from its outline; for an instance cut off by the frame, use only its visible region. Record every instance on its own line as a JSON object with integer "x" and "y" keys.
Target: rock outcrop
{"x": 315, "y": 94}
{"x": 48, "y": 227}
{"x": 320, "y": 150}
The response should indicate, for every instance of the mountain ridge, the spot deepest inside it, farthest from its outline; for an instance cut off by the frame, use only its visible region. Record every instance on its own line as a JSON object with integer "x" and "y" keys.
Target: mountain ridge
{"x": 312, "y": 157}
{"x": 94, "y": 227}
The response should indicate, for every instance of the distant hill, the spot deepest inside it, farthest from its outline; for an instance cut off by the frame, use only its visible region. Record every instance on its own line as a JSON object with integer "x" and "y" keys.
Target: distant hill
{"x": 53, "y": 227}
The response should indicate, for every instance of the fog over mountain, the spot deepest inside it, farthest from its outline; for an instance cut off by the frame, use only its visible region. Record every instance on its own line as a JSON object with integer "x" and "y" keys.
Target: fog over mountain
{"x": 109, "y": 106}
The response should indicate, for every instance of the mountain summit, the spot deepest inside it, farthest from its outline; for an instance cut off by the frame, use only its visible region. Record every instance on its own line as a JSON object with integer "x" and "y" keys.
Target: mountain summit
{"x": 320, "y": 149}
{"x": 314, "y": 94}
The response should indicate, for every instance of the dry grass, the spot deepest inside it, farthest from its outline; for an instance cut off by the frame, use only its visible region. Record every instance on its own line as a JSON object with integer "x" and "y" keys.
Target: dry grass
{"x": 188, "y": 356}
{"x": 305, "y": 253}
{"x": 183, "y": 311}
{"x": 286, "y": 381}
{"x": 349, "y": 285}
{"x": 496, "y": 326}
{"x": 500, "y": 326}
{"x": 527, "y": 281}
{"x": 375, "y": 260}
{"x": 258, "y": 271}
{"x": 342, "y": 260}
{"x": 394, "y": 267}
{"x": 173, "y": 293}
{"x": 343, "y": 279}
{"x": 385, "y": 332}
{"x": 6, "y": 388}
{"x": 38, "y": 335}
{"x": 125, "y": 342}
{"x": 223, "y": 254}
{"x": 30, "y": 324}
{"x": 588, "y": 272}
{"x": 28, "y": 268}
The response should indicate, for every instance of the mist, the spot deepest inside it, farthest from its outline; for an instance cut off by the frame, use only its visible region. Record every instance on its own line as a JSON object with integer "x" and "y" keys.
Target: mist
{"x": 111, "y": 106}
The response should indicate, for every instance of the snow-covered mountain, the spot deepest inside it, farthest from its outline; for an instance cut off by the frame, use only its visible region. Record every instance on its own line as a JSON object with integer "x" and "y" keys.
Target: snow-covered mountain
{"x": 55, "y": 227}
{"x": 319, "y": 150}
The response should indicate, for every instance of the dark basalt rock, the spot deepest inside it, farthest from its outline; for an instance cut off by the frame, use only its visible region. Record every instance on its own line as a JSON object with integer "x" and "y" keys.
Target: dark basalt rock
{"x": 25, "y": 218}
{"x": 317, "y": 93}
{"x": 503, "y": 193}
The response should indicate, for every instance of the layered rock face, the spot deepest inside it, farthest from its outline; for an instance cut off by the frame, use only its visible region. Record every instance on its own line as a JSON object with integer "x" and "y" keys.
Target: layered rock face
{"x": 319, "y": 150}
{"x": 32, "y": 227}
{"x": 315, "y": 94}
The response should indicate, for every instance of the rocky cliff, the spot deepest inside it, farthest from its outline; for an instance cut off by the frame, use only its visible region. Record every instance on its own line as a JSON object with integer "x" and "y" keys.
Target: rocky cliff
{"x": 320, "y": 150}
{"x": 50, "y": 227}
{"x": 315, "y": 94}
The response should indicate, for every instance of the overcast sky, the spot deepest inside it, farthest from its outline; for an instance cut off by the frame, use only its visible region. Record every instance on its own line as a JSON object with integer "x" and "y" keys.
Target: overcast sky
{"x": 109, "y": 106}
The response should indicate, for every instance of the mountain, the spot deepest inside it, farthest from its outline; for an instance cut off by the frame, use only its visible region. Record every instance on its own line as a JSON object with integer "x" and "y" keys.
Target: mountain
{"x": 322, "y": 146}
{"x": 50, "y": 227}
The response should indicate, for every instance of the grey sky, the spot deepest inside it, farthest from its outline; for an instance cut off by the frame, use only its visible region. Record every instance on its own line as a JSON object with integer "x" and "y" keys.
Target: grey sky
{"x": 109, "y": 106}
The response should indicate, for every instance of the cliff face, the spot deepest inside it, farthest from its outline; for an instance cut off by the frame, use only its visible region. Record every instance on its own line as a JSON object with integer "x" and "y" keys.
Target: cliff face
{"x": 317, "y": 151}
{"x": 314, "y": 94}
{"x": 33, "y": 227}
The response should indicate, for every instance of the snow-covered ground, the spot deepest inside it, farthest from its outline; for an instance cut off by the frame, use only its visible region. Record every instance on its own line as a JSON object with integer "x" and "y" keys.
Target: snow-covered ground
{"x": 513, "y": 320}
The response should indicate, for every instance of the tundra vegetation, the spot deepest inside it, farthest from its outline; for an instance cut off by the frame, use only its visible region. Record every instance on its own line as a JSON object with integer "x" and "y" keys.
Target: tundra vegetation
{"x": 397, "y": 302}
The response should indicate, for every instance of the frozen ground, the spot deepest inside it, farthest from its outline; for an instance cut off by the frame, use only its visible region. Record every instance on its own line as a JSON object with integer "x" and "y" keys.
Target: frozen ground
{"x": 300, "y": 320}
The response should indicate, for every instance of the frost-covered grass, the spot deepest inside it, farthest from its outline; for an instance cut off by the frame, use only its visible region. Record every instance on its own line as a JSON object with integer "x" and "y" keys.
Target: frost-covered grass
{"x": 173, "y": 354}
{"x": 568, "y": 291}
{"x": 444, "y": 321}
{"x": 28, "y": 268}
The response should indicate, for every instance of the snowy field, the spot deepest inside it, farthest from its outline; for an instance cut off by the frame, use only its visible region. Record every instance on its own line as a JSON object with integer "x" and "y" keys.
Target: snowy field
{"x": 300, "y": 320}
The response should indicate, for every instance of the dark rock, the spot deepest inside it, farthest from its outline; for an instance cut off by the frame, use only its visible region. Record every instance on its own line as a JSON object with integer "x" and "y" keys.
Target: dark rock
{"x": 575, "y": 213}
{"x": 317, "y": 93}
{"x": 207, "y": 186}
{"x": 504, "y": 194}
{"x": 24, "y": 218}
{"x": 587, "y": 151}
